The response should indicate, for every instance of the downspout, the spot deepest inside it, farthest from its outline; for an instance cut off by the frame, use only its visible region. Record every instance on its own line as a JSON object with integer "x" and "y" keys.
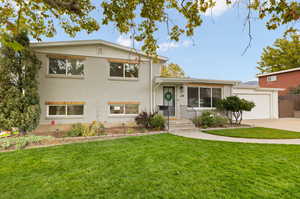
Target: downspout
{"x": 151, "y": 87}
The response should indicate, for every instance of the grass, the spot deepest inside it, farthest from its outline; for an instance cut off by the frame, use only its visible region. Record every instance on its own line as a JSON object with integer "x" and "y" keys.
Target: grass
{"x": 153, "y": 166}
{"x": 257, "y": 132}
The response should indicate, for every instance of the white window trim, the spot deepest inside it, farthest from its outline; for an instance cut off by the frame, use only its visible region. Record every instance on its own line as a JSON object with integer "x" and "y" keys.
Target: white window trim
{"x": 66, "y": 75}
{"x": 272, "y": 78}
{"x": 122, "y": 114}
{"x": 65, "y": 115}
{"x": 199, "y": 97}
{"x": 124, "y": 77}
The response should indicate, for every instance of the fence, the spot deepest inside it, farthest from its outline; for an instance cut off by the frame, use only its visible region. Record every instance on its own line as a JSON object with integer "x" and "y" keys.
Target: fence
{"x": 289, "y": 106}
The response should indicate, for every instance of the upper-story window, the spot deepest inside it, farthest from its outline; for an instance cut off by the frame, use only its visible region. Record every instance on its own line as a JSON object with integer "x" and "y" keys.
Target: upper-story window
{"x": 65, "y": 67}
{"x": 272, "y": 78}
{"x": 203, "y": 97}
{"x": 123, "y": 70}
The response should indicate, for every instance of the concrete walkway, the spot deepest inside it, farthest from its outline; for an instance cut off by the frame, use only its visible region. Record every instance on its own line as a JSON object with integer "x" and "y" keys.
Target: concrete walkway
{"x": 205, "y": 136}
{"x": 289, "y": 124}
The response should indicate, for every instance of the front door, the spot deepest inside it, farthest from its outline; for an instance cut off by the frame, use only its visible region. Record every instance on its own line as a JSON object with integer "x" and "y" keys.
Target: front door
{"x": 169, "y": 99}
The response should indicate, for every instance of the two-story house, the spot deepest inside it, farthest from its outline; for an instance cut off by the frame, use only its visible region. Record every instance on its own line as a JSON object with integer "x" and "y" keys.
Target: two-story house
{"x": 83, "y": 81}
{"x": 285, "y": 79}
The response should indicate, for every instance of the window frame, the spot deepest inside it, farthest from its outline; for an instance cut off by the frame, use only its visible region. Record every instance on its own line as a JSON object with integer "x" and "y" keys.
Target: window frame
{"x": 272, "y": 78}
{"x": 66, "y": 75}
{"x": 124, "y": 113}
{"x": 124, "y": 71}
{"x": 199, "y": 97}
{"x": 66, "y": 111}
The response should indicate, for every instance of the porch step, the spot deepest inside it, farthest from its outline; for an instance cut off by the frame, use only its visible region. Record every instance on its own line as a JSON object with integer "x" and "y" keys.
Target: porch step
{"x": 182, "y": 125}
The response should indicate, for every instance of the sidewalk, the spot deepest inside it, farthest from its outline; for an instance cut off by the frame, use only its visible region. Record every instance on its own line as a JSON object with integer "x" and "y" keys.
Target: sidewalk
{"x": 206, "y": 136}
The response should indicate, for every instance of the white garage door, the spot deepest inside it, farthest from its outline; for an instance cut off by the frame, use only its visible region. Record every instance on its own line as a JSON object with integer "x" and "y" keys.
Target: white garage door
{"x": 262, "y": 106}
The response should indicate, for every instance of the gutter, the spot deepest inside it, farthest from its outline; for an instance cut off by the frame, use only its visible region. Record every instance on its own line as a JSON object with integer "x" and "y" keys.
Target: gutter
{"x": 151, "y": 87}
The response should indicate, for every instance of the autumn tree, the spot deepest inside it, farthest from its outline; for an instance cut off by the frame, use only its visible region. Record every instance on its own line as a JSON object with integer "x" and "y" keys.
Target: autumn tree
{"x": 283, "y": 55}
{"x": 19, "y": 99}
{"x": 172, "y": 70}
{"x": 141, "y": 18}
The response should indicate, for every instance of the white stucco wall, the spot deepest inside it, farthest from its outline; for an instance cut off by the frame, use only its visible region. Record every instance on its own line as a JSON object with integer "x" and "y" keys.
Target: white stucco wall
{"x": 96, "y": 89}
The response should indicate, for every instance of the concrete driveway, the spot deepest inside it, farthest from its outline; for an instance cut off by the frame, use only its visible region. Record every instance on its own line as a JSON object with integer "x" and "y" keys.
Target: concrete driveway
{"x": 290, "y": 124}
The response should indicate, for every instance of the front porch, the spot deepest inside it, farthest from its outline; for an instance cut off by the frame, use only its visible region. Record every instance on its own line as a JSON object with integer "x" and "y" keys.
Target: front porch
{"x": 188, "y": 97}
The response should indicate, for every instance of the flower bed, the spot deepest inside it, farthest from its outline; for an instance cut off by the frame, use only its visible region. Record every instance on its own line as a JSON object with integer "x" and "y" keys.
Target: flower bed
{"x": 31, "y": 141}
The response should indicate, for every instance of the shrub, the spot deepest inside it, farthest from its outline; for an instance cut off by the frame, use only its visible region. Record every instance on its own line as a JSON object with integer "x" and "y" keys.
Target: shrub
{"x": 21, "y": 141}
{"x": 157, "y": 122}
{"x": 209, "y": 119}
{"x": 96, "y": 128}
{"x": 220, "y": 121}
{"x": 150, "y": 120}
{"x": 143, "y": 119}
{"x": 234, "y": 106}
{"x": 197, "y": 121}
{"x": 76, "y": 130}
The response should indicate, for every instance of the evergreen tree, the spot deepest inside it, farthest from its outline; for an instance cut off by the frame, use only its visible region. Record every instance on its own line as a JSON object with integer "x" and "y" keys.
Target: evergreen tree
{"x": 19, "y": 99}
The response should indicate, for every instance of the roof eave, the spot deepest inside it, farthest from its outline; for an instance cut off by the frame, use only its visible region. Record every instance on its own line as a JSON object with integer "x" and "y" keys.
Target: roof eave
{"x": 91, "y": 42}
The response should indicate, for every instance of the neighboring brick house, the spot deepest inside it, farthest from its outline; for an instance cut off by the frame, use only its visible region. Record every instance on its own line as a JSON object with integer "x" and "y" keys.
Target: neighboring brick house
{"x": 285, "y": 79}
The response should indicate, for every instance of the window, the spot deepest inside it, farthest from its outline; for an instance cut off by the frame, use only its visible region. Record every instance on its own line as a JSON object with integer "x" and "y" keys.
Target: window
{"x": 193, "y": 97}
{"x": 203, "y": 97}
{"x": 123, "y": 70}
{"x": 66, "y": 110}
{"x": 65, "y": 67}
{"x": 124, "y": 109}
{"x": 271, "y": 78}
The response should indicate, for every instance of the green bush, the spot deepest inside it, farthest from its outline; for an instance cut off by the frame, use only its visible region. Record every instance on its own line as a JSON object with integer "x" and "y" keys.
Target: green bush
{"x": 197, "y": 121}
{"x": 96, "y": 128}
{"x": 143, "y": 119}
{"x": 233, "y": 107}
{"x": 209, "y": 119}
{"x": 21, "y": 141}
{"x": 157, "y": 122}
{"x": 76, "y": 130}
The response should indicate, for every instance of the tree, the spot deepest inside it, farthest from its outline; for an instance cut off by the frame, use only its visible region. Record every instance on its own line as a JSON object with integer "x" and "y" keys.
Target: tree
{"x": 234, "y": 107}
{"x": 19, "y": 99}
{"x": 172, "y": 70}
{"x": 141, "y": 18}
{"x": 283, "y": 55}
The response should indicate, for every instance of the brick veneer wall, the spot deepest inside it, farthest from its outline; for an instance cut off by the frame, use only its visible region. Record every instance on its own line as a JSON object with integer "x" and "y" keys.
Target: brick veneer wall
{"x": 284, "y": 80}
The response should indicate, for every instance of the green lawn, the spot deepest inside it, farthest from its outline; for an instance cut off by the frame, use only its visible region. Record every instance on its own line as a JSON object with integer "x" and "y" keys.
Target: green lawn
{"x": 257, "y": 132}
{"x": 154, "y": 166}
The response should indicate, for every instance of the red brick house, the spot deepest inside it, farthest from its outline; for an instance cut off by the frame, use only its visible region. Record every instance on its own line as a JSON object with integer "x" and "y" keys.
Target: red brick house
{"x": 285, "y": 79}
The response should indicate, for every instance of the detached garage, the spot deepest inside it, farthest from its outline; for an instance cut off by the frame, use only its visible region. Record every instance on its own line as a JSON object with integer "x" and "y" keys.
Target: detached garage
{"x": 265, "y": 99}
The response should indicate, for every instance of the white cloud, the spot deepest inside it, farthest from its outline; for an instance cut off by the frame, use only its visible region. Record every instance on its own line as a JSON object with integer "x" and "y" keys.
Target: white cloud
{"x": 165, "y": 46}
{"x": 220, "y": 8}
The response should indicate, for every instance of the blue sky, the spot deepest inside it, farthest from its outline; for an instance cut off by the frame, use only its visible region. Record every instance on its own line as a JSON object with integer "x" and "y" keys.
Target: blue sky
{"x": 214, "y": 52}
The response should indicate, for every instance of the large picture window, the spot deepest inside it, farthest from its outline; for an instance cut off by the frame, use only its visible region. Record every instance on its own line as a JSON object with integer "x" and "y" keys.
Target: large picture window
{"x": 124, "y": 108}
{"x": 123, "y": 70}
{"x": 65, "y": 67}
{"x": 203, "y": 97}
{"x": 65, "y": 110}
